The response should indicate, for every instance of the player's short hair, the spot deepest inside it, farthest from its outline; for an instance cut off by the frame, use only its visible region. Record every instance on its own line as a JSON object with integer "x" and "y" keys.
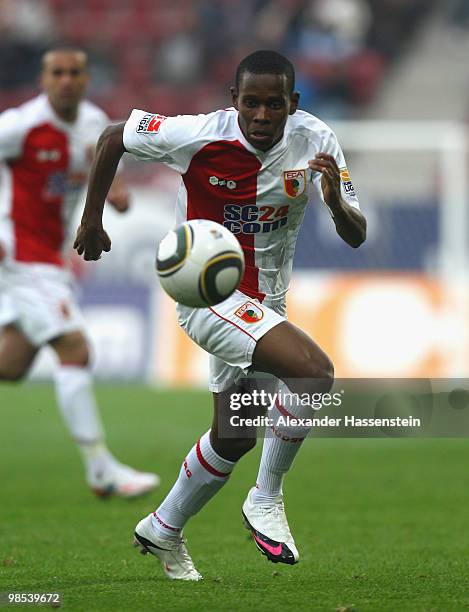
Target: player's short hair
{"x": 64, "y": 48}
{"x": 267, "y": 62}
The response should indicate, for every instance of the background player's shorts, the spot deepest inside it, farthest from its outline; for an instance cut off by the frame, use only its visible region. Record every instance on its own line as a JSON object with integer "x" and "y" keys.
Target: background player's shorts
{"x": 229, "y": 331}
{"x": 38, "y": 299}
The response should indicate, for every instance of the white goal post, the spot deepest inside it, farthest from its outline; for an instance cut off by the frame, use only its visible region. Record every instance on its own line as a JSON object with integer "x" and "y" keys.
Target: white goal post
{"x": 449, "y": 142}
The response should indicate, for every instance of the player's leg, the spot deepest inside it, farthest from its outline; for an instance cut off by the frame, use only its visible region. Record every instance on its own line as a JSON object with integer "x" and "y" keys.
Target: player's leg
{"x": 16, "y": 353}
{"x": 292, "y": 356}
{"x": 204, "y": 471}
{"x": 303, "y": 368}
{"x": 207, "y": 466}
{"x": 76, "y": 400}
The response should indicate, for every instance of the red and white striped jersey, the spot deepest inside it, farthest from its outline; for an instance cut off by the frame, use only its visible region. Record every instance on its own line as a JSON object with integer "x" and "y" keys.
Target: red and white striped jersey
{"x": 259, "y": 196}
{"x": 44, "y": 163}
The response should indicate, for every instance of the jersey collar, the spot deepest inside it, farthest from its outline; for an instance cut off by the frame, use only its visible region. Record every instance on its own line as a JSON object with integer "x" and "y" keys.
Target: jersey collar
{"x": 58, "y": 120}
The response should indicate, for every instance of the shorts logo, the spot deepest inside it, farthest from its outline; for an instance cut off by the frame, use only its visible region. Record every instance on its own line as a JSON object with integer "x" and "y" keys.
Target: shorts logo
{"x": 294, "y": 182}
{"x": 249, "y": 312}
{"x": 347, "y": 182}
{"x": 150, "y": 123}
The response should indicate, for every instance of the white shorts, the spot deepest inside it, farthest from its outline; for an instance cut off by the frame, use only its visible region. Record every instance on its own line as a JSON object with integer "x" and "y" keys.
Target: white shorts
{"x": 39, "y": 300}
{"x": 229, "y": 331}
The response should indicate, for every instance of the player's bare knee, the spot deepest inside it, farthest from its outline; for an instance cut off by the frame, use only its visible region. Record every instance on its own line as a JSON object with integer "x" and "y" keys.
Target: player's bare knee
{"x": 326, "y": 374}
{"x": 82, "y": 356}
{"x": 315, "y": 373}
{"x": 12, "y": 375}
{"x": 72, "y": 349}
{"x": 6, "y": 376}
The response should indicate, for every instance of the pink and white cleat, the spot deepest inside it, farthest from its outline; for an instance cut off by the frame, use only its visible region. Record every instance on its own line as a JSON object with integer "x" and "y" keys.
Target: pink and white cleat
{"x": 270, "y": 531}
{"x": 173, "y": 554}
{"x": 123, "y": 481}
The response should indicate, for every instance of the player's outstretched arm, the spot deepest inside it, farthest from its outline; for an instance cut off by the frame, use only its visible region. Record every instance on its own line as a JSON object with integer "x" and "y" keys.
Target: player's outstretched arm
{"x": 91, "y": 239}
{"x": 349, "y": 222}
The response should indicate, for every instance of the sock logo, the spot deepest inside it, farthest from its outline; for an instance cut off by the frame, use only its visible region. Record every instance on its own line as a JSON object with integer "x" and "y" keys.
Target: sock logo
{"x": 186, "y": 468}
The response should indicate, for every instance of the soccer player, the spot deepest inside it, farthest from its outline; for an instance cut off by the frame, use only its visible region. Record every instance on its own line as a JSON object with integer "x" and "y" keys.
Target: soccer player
{"x": 46, "y": 147}
{"x": 270, "y": 160}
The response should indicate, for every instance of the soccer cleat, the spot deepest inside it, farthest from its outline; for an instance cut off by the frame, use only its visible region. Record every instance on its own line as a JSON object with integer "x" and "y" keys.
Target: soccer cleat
{"x": 123, "y": 481}
{"x": 269, "y": 527}
{"x": 173, "y": 554}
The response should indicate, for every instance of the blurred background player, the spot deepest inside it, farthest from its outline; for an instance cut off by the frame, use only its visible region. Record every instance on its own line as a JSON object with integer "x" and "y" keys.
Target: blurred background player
{"x": 260, "y": 145}
{"x": 46, "y": 147}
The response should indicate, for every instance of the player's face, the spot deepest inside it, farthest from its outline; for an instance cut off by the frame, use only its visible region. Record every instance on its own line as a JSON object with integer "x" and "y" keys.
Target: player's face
{"x": 64, "y": 78}
{"x": 264, "y": 103}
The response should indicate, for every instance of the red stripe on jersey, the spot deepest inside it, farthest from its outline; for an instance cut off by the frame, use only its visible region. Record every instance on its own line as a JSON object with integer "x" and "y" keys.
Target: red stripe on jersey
{"x": 227, "y": 160}
{"x": 39, "y": 183}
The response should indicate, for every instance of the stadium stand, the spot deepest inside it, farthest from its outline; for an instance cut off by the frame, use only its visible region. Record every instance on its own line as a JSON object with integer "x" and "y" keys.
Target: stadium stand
{"x": 182, "y": 53}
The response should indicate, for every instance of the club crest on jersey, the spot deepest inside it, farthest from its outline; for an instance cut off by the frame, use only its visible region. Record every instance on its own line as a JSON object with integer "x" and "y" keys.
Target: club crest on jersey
{"x": 150, "y": 123}
{"x": 347, "y": 182}
{"x": 294, "y": 182}
{"x": 249, "y": 312}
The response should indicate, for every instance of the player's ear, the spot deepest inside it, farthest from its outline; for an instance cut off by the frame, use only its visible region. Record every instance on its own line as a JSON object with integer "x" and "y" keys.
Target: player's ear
{"x": 234, "y": 96}
{"x": 294, "y": 101}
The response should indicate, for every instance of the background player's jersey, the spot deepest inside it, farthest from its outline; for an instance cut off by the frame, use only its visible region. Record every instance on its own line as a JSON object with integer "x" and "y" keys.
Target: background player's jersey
{"x": 259, "y": 196}
{"x": 44, "y": 164}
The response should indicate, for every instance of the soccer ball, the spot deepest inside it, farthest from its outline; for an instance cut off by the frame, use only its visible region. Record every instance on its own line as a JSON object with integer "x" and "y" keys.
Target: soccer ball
{"x": 200, "y": 263}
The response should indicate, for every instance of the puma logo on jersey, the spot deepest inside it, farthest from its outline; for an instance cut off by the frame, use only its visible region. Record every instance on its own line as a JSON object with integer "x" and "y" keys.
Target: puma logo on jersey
{"x": 214, "y": 180}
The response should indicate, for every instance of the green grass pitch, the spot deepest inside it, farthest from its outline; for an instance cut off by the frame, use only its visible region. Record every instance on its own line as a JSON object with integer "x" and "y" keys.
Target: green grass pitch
{"x": 381, "y": 525}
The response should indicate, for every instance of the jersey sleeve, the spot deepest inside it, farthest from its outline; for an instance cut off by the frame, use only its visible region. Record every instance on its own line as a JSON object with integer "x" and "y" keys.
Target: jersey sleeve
{"x": 346, "y": 186}
{"x": 170, "y": 140}
{"x": 12, "y": 133}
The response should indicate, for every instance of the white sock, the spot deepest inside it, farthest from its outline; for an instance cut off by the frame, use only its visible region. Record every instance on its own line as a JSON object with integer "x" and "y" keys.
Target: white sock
{"x": 203, "y": 473}
{"x": 280, "y": 448}
{"x": 75, "y": 397}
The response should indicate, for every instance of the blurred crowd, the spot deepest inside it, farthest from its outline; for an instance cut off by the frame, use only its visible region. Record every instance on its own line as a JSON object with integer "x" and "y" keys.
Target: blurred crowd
{"x": 180, "y": 55}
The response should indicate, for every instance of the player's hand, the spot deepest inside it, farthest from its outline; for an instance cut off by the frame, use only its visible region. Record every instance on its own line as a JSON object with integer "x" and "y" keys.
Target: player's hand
{"x": 91, "y": 241}
{"x": 330, "y": 180}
